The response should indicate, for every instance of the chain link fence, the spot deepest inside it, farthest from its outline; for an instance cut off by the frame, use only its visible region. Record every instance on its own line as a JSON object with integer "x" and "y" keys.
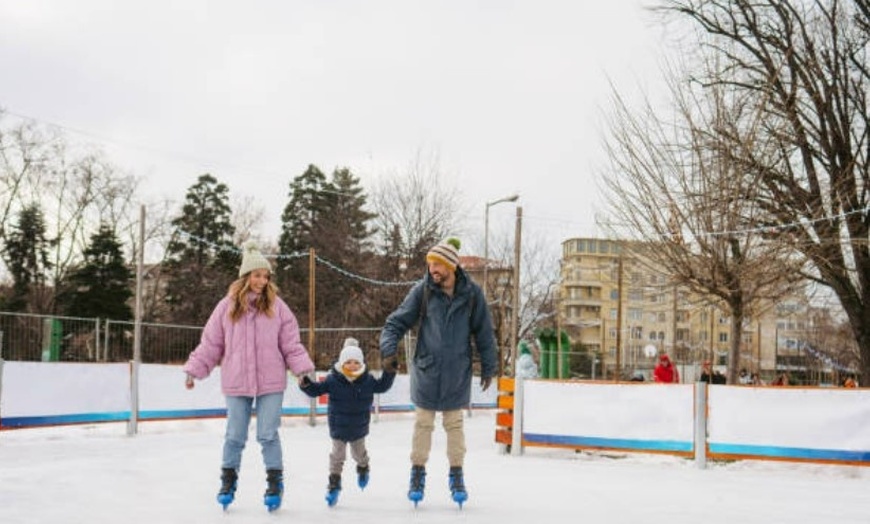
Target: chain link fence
{"x": 30, "y": 337}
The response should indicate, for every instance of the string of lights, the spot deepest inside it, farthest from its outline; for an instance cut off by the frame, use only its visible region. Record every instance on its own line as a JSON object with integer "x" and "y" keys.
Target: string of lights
{"x": 281, "y": 256}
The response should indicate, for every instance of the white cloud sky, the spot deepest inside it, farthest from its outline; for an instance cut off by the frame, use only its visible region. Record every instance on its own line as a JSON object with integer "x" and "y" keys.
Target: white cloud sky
{"x": 508, "y": 94}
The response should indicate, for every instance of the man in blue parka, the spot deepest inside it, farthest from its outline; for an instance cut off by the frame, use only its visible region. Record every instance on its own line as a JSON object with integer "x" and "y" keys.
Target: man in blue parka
{"x": 452, "y": 312}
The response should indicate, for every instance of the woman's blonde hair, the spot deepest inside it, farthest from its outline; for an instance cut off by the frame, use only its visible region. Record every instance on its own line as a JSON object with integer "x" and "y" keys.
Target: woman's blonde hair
{"x": 238, "y": 292}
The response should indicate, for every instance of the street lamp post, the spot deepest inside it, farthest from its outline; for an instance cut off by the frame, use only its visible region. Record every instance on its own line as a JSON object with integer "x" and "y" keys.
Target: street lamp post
{"x": 511, "y": 198}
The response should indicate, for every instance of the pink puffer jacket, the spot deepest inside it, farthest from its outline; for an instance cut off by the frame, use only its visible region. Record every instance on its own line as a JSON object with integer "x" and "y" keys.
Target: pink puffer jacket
{"x": 254, "y": 353}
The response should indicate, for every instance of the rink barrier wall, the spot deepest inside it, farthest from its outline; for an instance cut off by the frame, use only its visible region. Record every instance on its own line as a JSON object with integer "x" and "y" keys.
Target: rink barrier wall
{"x": 34, "y": 394}
{"x": 804, "y": 424}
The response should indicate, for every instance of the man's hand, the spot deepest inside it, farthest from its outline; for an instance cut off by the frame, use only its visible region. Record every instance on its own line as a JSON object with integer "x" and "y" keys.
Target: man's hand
{"x": 188, "y": 382}
{"x": 390, "y": 364}
{"x": 485, "y": 382}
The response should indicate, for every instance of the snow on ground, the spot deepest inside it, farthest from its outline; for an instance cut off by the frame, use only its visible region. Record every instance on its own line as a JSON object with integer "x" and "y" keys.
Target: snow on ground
{"x": 168, "y": 473}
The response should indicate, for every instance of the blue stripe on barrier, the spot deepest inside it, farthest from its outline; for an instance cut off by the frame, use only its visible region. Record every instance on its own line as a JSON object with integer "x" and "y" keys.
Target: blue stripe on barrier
{"x": 181, "y": 413}
{"x": 790, "y": 453}
{"x": 611, "y": 443}
{"x": 57, "y": 420}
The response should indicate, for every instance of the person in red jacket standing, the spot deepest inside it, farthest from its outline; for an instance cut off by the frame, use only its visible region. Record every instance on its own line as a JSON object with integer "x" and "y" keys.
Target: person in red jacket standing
{"x": 665, "y": 371}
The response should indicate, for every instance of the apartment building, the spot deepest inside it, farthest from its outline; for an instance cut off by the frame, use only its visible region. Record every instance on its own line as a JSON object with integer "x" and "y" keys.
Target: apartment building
{"x": 625, "y": 312}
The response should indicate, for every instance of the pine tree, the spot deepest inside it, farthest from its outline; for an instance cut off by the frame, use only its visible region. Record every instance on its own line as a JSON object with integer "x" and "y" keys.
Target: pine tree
{"x": 26, "y": 256}
{"x": 101, "y": 286}
{"x": 328, "y": 215}
{"x": 202, "y": 260}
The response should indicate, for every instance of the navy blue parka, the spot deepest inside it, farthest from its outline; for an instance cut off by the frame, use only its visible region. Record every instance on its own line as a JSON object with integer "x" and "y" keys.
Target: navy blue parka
{"x": 350, "y": 402}
{"x": 441, "y": 367}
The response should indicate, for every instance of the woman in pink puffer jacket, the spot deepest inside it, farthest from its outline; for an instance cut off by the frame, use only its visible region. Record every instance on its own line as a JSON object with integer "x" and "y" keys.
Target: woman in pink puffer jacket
{"x": 254, "y": 337}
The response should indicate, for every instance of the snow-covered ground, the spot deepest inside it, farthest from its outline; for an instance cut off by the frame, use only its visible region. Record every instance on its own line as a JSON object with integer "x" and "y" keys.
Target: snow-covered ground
{"x": 168, "y": 473}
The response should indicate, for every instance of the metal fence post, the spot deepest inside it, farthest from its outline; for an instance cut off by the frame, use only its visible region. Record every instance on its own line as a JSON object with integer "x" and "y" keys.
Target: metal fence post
{"x": 701, "y": 425}
{"x": 517, "y": 429}
{"x": 1, "y": 374}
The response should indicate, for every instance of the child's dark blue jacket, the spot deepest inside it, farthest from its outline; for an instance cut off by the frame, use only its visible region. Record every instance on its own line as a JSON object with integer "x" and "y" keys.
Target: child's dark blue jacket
{"x": 350, "y": 403}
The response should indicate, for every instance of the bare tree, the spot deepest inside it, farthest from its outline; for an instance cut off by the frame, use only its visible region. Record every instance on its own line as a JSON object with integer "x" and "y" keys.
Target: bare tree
{"x": 805, "y": 66}
{"x": 687, "y": 210}
{"x": 415, "y": 209}
{"x": 78, "y": 192}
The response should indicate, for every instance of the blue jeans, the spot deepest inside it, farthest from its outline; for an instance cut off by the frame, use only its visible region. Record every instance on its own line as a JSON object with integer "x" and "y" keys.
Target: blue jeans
{"x": 268, "y": 420}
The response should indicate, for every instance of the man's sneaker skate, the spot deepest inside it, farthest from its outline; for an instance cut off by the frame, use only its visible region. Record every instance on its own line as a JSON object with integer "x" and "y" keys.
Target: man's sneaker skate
{"x": 333, "y": 489}
{"x": 456, "y": 481}
{"x": 362, "y": 476}
{"x": 229, "y": 481}
{"x": 417, "y": 485}
{"x": 274, "y": 489}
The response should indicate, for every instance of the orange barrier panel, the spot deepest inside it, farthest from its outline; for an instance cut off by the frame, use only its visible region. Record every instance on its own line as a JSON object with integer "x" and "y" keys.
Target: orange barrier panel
{"x": 504, "y": 418}
{"x": 503, "y": 436}
{"x": 506, "y": 402}
{"x": 506, "y": 384}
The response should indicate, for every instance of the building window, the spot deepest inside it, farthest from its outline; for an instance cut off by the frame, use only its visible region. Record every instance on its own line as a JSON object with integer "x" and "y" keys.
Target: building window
{"x": 723, "y": 337}
{"x": 663, "y": 317}
{"x": 661, "y": 335}
{"x": 635, "y": 295}
{"x": 613, "y": 314}
{"x": 635, "y": 314}
{"x": 614, "y": 294}
{"x": 612, "y": 333}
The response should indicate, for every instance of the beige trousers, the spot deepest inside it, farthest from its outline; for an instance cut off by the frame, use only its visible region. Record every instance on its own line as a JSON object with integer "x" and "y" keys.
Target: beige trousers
{"x": 422, "y": 443}
{"x": 339, "y": 454}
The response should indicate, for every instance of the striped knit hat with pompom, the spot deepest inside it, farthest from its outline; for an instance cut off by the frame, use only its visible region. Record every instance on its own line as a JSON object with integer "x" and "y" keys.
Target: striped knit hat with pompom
{"x": 446, "y": 252}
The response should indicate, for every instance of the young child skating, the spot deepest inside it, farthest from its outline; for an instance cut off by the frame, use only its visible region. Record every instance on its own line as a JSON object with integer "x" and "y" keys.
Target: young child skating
{"x": 351, "y": 389}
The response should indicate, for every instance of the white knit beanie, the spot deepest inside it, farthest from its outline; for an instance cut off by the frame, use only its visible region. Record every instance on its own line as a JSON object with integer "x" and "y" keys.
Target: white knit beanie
{"x": 252, "y": 259}
{"x": 350, "y": 351}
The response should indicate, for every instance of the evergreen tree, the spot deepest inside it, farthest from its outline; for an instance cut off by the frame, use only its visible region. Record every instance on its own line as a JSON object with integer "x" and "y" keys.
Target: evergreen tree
{"x": 328, "y": 215}
{"x": 101, "y": 286}
{"x": 201, "y": 258}
{"x": 26, "y": 256}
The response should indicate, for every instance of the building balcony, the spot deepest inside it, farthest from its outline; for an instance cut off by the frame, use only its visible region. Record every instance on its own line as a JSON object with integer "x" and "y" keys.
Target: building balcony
{"x": 582, "y": 301}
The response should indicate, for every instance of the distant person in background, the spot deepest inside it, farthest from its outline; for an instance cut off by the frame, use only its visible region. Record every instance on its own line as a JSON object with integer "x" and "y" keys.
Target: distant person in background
{"x": 850, "y": 383}
{"x": 665, "y": 372}
{"x": 781, "y": 380}
{"x": 755, "y": 380}
{"x": 719, "y": 378}
{"x": 744, "y": 378}
{"x": 706, "y": 372}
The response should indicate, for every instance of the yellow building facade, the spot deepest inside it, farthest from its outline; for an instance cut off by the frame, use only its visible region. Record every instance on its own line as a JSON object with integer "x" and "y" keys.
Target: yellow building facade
{"x": 626, "y": 313}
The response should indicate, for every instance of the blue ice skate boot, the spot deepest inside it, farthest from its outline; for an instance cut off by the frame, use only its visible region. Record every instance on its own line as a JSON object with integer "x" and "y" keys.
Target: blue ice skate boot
{"x": 417, "y": 485}
{"x": 456, "y": 481}
{"x": 333, "y": 489}
{"x": 274, "y": 489}
{"x": 362, "y": 476}
{"x": 229, "y": 481}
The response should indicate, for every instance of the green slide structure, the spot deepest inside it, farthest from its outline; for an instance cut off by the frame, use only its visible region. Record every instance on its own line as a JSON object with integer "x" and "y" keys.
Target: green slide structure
{"x": 551, "y": 348}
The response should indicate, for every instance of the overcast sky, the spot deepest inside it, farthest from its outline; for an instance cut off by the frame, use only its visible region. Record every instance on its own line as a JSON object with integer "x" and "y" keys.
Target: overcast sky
{"x": 508, "y": 95}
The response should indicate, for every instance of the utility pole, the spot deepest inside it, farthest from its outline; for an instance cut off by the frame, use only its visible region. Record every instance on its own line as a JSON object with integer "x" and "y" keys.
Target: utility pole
{"x": 618, "y": 316}
{"x": 515, "y": 312}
